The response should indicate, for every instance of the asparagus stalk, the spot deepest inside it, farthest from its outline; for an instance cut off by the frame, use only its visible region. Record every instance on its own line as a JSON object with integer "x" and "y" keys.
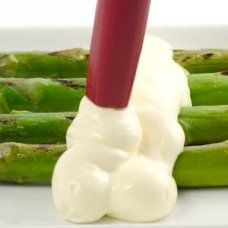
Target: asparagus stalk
{"x": 202, "y": 125}
{"x": 209, "y": 89}
{"x": 35, "y": 128}
{"x": 202, "y": 61}
{"x": 203, "y": 166}
{"x": 73, "y": 63}
{"x": 197, "y": 166}
{"x": 25, "y": 164}
{"x": 39, "y": 64}
{"x": 40, "y": 95}
{"x": 60, "y": 95}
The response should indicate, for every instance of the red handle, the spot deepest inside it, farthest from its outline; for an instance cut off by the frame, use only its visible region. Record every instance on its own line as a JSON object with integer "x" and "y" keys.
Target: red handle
{"x": 115, "y": 49}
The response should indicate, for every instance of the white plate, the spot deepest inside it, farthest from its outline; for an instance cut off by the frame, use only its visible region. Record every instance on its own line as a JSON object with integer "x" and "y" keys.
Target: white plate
{"x": 31, "y": 206}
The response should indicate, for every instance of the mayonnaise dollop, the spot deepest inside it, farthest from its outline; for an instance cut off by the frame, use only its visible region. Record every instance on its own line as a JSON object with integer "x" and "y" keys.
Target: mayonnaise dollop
{"x": 119, "y": 162}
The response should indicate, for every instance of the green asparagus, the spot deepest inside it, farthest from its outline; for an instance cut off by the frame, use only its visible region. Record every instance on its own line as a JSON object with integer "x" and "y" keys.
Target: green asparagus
{"x": 73, "y": 63}
{"x": 203, "y": 61}
{"x": 202, "y": 125}
{"x": 40, "y": 95}
{"x": 209, "y": 89}
{"x": 197, "y": 166}
{"x": 203, "y": 166}
{"x": 35, "y": 128}
{"x": 24, "y": 163}
{"x": 40, "y": 64}
{"x": 61, "y": 95}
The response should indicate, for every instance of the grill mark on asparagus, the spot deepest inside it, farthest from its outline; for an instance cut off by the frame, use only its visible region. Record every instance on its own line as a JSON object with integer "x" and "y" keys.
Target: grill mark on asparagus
{"x": 69, "y": 117}
{"x": 185, "y": 59}
{"x": 2, "y": 56}
{"x": 208, "y": 56}
{"x": 8, "y": 83}
{"x": 42, "y": 147}
{"x": 224, "y": 73}
{"x": 77, "y": 53}
{"x": 5, "y": 121}
{"x": 70, "y": 84}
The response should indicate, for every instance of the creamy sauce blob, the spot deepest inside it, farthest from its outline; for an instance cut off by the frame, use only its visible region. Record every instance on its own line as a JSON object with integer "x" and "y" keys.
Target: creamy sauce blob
{"x": 119, "y": 162}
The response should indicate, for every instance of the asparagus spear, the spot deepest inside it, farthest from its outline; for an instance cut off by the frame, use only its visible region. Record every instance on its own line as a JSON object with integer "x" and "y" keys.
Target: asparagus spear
{"x": 202, "y": 125}
{"x": 202, "y": 61}
{"x": 209, "y": 89}
{"x": 40, "y": 95}
{"x": 203, "y": 166}
{"x": 195, "y": 61}
{"x": 197, "y": 166}
{"x": 36, "y": 128}
{"x": 73, "y": 63}
{"x": 40, "y": 64}
{"x": 26, "y": 163}
{"x": 59, "y": 95}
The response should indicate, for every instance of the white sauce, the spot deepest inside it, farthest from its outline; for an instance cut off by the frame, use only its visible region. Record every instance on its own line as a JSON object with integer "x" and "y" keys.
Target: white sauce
{"x": 119, "y": 162}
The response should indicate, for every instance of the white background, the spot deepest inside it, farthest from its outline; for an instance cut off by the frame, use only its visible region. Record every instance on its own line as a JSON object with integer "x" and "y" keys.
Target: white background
{"x": 62, "y": 13}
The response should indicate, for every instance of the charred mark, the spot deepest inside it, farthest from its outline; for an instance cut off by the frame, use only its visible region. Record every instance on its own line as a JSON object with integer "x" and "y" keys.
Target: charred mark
{"x": 2, "y": 56}
{"x": 69, "y": 117}
{"x": 42, "y": 147}
{"x": 77, "y": 53}
{"x": 208, "y": 55}
{"x": 87, "y": 56}
{"x": 8, "y": 83}
{"x": 5, "y": 121}
{"x": 70, "y": 84}
{"x": 177, "y": 50}
{"x": 224, "y": 73}
{"x": 184, "y": 60}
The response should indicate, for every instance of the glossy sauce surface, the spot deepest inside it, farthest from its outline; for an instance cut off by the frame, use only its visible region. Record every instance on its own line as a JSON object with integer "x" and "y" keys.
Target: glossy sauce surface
{"x": 119, "y": 162}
